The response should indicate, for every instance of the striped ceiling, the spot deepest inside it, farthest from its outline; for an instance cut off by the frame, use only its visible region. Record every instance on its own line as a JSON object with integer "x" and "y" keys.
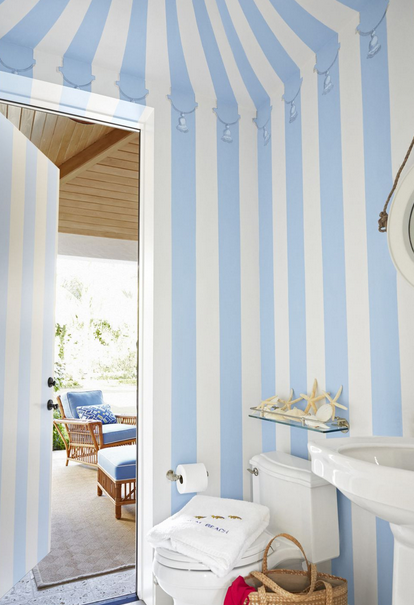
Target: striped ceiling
{"x": 234, "y": 51}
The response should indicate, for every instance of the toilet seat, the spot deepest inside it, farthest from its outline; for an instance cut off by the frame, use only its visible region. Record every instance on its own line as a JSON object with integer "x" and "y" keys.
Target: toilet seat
{"x": 253, "y": 554}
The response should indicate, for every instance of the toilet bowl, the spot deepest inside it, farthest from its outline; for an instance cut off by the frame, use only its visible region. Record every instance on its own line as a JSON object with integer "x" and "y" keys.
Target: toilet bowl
{"x": 189, "y": 582}
{"x": 300, "y": 504}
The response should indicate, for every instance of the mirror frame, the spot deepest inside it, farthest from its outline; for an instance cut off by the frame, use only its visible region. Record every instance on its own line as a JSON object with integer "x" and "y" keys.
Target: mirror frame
{"x": 398, "y": 228}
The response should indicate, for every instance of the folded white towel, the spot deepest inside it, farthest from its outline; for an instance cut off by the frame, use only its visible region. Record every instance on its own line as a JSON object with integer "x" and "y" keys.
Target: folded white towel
{"x": 214, "y": 531}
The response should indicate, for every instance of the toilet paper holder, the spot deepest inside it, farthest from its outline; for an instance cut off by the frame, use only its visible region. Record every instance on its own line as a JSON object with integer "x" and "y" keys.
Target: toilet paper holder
{"x": 171, "y": 476}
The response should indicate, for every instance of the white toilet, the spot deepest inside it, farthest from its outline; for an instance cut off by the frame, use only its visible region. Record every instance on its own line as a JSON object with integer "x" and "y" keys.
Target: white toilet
{"x": 300, "y": 503}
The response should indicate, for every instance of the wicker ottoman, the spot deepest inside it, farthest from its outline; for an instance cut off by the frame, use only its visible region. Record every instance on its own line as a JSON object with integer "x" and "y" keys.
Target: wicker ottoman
{"x": 117, "y": 475}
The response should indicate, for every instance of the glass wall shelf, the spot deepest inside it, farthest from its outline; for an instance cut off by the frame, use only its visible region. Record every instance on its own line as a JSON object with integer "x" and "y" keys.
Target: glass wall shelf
{"x": 303, "y": 422}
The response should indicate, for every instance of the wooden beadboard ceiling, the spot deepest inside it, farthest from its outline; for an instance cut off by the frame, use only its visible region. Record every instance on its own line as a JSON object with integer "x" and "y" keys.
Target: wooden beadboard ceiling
{"x": 99, "y": 171}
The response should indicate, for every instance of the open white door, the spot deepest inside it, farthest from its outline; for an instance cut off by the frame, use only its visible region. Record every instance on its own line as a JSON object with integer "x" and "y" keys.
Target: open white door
{"x": 29, "y": 198}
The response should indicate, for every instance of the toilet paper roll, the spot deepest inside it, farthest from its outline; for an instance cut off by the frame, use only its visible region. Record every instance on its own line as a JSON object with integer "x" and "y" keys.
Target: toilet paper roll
{"x": 194, "y": 478}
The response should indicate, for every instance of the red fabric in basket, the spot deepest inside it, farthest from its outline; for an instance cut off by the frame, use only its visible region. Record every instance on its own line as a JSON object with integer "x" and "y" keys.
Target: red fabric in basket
{"x": 238, "y": 592}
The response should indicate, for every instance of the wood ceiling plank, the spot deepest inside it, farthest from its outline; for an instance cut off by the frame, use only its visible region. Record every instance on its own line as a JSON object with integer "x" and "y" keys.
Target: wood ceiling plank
{"x": 89, "y": 157}
{"x": 129, "y": 174}
{"x": 121, "y": 236}
{"x": 38, "y": 125}
{"x": 48, "y": 133}
{"x": 98, "y": 184}
{"x": 117, "y": 206}
{"x": 92, "y": 226}
{"x": 13, "y": 114}
{"x": 115, "y": 163}
{"x": 56, "y": 140}
{"x": 99, "y": 200}
{"x": 98, "y": 218}
{"x": 131, "y": 148}
{"x": 128, "y": 156}
{"x": 110, "y": 178}
{"x": 3, "y": 109}
{"x": 98, "y": 210}
{"x": 74, "y": 145}
{"x": 65, "y": 142}
{"x": 26, "y": 122}
{"x": 116, "y": 195}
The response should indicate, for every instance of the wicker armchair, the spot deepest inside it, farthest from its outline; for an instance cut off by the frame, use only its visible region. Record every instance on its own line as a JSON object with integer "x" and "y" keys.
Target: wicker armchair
{"x": 87, "y": 437}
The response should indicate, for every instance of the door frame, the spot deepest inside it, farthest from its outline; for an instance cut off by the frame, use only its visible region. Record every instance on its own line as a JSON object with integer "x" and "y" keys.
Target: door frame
{"x": 111, "y": 111}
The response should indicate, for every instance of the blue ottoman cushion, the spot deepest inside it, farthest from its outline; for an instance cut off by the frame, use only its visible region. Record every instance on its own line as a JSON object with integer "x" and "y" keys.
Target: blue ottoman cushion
{"x": 119, "y": 462}
{"x": 118, "y": 432}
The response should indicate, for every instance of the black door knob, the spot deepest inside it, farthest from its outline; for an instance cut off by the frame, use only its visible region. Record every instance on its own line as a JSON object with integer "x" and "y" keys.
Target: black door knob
{"x": 51, "y": 405}
{"x": 51, "y": 382}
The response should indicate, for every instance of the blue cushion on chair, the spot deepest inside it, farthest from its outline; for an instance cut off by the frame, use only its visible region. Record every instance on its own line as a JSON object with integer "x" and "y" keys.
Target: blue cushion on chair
{"x": 102, "y": 413}
{"x": 112, "y": 433}
{"x": 119, "y": 462}
{"x": 72, "y": 400}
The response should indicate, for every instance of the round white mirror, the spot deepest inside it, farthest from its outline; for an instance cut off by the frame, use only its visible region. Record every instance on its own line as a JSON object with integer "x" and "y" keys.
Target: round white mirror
{"x": 400, "y": 228}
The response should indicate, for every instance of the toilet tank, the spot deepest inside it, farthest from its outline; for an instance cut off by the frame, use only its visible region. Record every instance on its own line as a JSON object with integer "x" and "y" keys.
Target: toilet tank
{"x": 301, "y": 503}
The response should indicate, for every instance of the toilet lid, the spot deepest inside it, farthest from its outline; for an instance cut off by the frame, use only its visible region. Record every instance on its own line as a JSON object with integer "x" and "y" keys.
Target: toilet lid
{"x": 176, "y": 560}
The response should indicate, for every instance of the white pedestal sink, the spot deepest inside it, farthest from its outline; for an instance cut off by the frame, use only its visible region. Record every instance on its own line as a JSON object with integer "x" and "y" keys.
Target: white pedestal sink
{"x": 377, "y": 473}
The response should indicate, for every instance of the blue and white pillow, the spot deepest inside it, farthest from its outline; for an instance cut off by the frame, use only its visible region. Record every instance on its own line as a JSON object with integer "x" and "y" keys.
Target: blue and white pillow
{"x": 97, "y": 412}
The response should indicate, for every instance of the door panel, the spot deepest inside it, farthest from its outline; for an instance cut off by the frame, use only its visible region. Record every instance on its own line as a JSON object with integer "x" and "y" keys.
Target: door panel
{"x": 28, "y": 236}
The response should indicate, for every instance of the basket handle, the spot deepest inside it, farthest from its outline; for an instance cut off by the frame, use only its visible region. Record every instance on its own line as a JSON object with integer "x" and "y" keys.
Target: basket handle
{"x": 291, "y": 597}
{"x": 292, "y": 539}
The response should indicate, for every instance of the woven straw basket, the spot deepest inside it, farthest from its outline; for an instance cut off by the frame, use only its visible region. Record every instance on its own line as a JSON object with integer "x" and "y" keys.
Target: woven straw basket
{"x": 285, "y": 586}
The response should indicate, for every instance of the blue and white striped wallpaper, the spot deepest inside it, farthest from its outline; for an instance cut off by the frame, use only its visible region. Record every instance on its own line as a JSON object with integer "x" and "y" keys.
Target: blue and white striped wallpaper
{"x": 269, "y": 269}
{"x": 28, "y": 226}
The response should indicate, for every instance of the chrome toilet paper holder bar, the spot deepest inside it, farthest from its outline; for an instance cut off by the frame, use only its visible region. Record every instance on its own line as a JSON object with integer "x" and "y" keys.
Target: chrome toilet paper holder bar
{"x": 171, "y": 476}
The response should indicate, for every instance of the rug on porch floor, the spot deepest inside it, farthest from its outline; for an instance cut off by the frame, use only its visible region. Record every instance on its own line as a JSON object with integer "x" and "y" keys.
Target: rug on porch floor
{"x": 87, "y": 540}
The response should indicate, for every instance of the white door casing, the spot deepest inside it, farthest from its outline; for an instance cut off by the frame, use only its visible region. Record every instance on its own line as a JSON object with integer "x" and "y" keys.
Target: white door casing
{"x": 29, "y": 198}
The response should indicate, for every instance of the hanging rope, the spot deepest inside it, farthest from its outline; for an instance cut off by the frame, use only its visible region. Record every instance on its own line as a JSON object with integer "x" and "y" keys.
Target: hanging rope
{"x": 383, "y": 219}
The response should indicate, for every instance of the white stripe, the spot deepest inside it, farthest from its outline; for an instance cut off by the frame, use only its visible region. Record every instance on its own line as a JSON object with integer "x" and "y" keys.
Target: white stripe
{"x": 49, "y": 52}
{"x": 162, "y": 306}
{"x": 109, "y": 55}
{"x": 193, "y": 52}
{"x": 157, "y": 66}
{"x": 315, "y": 324}
{"x": 332, "y": 14}
{"x": 356, "y": 257}
{"x": 250, "y": 294}
{"x": 36, "y": 362}
{"x": 401, "y": 75}
{"x": 236, "y": 81}
{"x": 207, "y": 289}
{"x": 364, "y": 542}
{"x": 11, "y": 378}
{"x": 297, "y": 50}
{"x": 11, "y": 12}
{"x": 257, "y": 58}
{"x": 280, "y": 265}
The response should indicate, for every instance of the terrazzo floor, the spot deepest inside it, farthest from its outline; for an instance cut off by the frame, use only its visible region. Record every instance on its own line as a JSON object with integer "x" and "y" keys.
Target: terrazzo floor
{"x": 74, "y": 593}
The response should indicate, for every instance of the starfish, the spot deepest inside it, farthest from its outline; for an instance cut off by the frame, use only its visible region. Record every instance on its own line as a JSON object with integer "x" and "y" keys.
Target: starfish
{"x": 269, "y": 402}
{"x": 334, "y": 402}
{"x": 288, "y": 404}
{"x": 312, "y": 399}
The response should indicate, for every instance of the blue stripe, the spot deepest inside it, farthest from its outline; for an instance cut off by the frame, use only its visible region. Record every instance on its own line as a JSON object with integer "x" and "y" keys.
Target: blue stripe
{"x": 47, "y": 360}
{"x": 215, "y": 63}
{"x": 311, "y": 31}
{"x": 334, "y": 280}
{"x": 279, "y": 59}
{"x": 180, "y": 80}
{"x": 24, "y": 398}
{"x": 6, "y": 150}
{"x": 385, "y": 351}
{"x": 296, "y": 267}
{"x": 231, "y": 437}
{"x": 183, "y": 220}
{"x": 257, "y": 92}
{"x": 132, "y": 77}
{"x": 267, "y": 303}
{"x": 16, "y": 47}
{"x": 385, "y": 561}
{"x": 77, "y": 60}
